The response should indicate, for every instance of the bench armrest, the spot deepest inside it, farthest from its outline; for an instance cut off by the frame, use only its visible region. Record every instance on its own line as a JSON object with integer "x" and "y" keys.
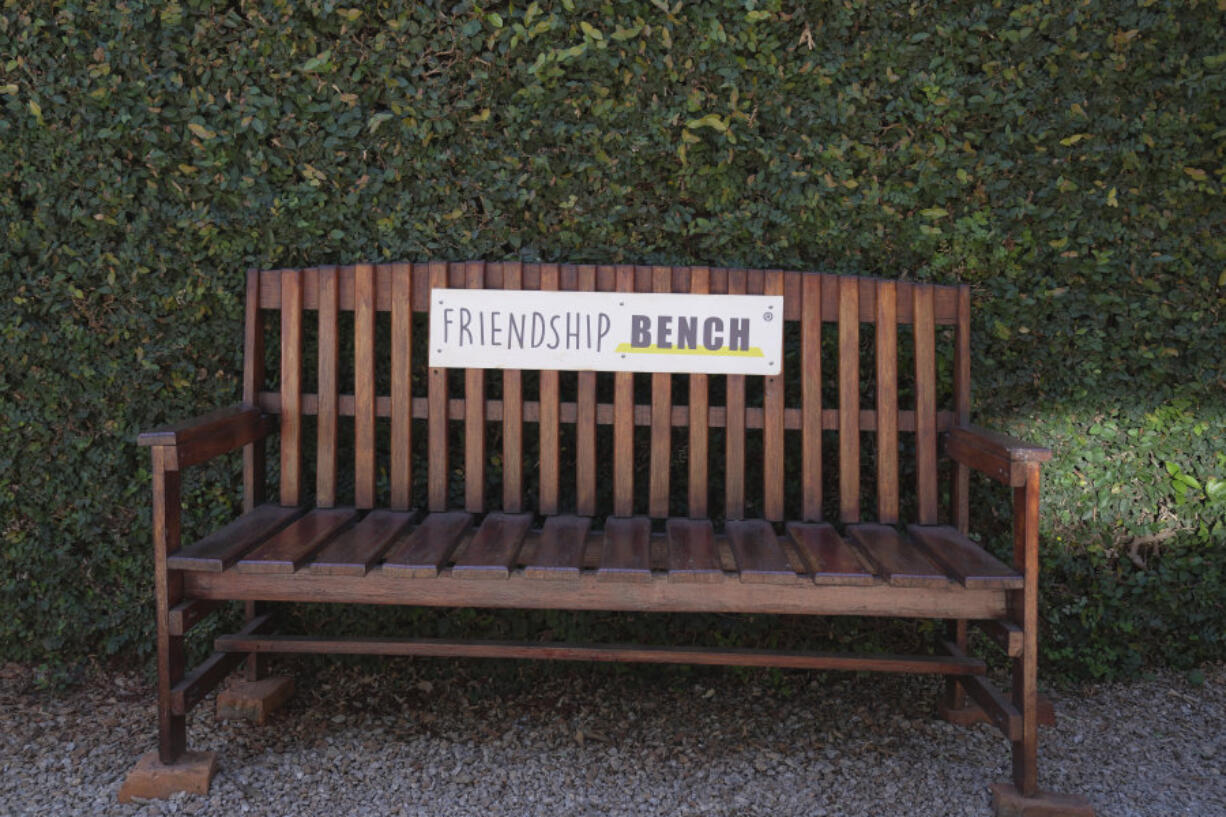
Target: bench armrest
{"x": 209, "y": 435}
{"x": 999, "y": 456}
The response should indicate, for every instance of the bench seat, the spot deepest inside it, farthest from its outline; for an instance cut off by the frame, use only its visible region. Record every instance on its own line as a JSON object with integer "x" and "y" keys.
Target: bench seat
{"x": 695, "y": 489}
{"x": 505, "y": 560}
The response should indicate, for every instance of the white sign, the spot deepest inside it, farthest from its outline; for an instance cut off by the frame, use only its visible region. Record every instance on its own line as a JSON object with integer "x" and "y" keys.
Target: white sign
{"x": 606, "y": 331}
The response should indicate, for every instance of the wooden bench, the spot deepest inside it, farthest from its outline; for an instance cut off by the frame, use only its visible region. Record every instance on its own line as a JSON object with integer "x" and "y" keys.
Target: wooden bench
{"x": 580, "y": 493}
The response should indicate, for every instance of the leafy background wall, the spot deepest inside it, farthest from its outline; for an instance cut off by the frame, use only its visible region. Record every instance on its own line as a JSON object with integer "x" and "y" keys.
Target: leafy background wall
{"x": 1065, "y": 159}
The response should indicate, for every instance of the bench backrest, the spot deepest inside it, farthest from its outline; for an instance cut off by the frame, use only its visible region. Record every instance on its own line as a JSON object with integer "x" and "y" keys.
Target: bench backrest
{"x": 352, "y": 356}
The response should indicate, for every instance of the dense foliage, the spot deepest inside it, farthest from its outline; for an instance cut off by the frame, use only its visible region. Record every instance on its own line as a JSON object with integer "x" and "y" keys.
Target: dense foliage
{"x": 1067, "y": 159}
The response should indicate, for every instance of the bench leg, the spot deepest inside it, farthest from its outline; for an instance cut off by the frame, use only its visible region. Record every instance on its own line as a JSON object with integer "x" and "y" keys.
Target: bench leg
{"x": 257, "y": 663}
{"x": 955, "y": 695}
{"x": 171, "y": 768}
{"x": 1023, "y": 796}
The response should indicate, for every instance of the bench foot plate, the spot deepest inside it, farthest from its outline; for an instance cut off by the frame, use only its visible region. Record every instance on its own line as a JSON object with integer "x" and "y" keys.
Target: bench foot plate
{"x": 1007, "y": 802}
{"x": 254, "y": 700}
{"x": 972, "y": 713}
{"x": 151, "y": 779}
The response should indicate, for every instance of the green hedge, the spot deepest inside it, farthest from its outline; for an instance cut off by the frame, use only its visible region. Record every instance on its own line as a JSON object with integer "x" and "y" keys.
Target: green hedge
{"x": 1067, "y": 159}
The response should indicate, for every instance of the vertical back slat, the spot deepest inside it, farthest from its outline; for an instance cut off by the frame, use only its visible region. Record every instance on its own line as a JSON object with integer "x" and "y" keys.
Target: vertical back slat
{"x": 925, "y": 405}
{"x": 253, "y": 382}
{"x": 329, "y": 344}
{"x": 291, "y": 385}
{"x": 849, "y": 399}
{"x": 402, "y": 396}
{"x": 811, "y": 397}
{"x": 364, "y": 386}
{"x": 436, "y": 416}
{"x": 512, "y": 416}
{"x": 661, "y": 418}
{"x": 962, "y": 404}
{"x": 549, "y": 417}
{"x": 734, "y": 430}
{"x": 623, "y": 422}
{"x": 585, "y": 423}
{"x": 887, "y": 402}
{"x": 700, "y": 284}
{"x": 474, "y": 415}
{"x": 772, "y": 426}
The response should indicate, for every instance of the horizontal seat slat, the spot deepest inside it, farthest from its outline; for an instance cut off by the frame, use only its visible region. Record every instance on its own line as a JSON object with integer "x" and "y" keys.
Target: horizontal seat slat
{"x": 423, "y": 550}
{"x": 627, "y": 550}
{"x": 827, "y": 557}
{"x": 559, "y": 553}
{"x": 357, "y": 549}
{"x": 222, "y": 548}
{"x": 491, "y": 551}
{"x": 899, "y": 560}
{"x": 292, "y": 546}
{"x": 964, "y": 559}
{"x": 759, "y": 557}
{"x": 692, "y": 554}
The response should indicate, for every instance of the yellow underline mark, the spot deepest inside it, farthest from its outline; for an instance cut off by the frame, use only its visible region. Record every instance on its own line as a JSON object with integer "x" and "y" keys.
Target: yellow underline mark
{"x": 624, "y": 348}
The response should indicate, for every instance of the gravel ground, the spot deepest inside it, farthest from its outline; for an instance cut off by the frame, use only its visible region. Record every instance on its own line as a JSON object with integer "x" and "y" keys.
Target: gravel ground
{"x": 477, "y": 738}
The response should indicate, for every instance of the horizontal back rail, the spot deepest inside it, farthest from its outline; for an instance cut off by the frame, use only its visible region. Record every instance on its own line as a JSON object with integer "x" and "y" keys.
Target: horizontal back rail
{"x": 945, "y": 297}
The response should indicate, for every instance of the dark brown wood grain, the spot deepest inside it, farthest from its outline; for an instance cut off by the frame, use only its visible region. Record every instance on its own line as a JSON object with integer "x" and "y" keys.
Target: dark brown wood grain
{"x": 492, "y": 550}
{"x": 759, "y": 557}
{"x": 591, "y": 592}
{"x": 811, "y": 398}
{"x": 189, "y": 613}
{"x": 254, "y": 463}
{"x": 586, "y": 466}
{"x": 512, "y": 417}
{"x": 661, "y": 450}
{"x": 945, "y": 296}
{"x": 623, "y": 422}
{"x": 292, "y": 546}
{"x": 692, "y": 553}
{"x": 925, "y": 406}
{"x": 963, "y": 558}
{"x": 849, "y": 399}
{"x": 168, "y": 591}
{"x": 828, "y": 558}
{"x": 223, "y": 547}
{"x": 328, "y": 390}
{"x": 559, "y": 553}
{"x": 898, "y": 560}
{"x": 536, "y": 650}
{"x": 887, "y": 403}
{"x": 550, "y": 419}
{"x": 421, "y": 551}
{"x": 474, "y": 416}
{"x": 627, "y": 553}
{"x": 960, "y": 490}
{"x": 734, "y": 427}
{"x": 401, "y": 397}
{"x": 699, "y": 408}
{"x": 364, "y": 386}
{"x": 291, "y": 386}
{"x": 358, "y": 548}
{"x": 437, "y": 468}
{"x": 202, "y": 438}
